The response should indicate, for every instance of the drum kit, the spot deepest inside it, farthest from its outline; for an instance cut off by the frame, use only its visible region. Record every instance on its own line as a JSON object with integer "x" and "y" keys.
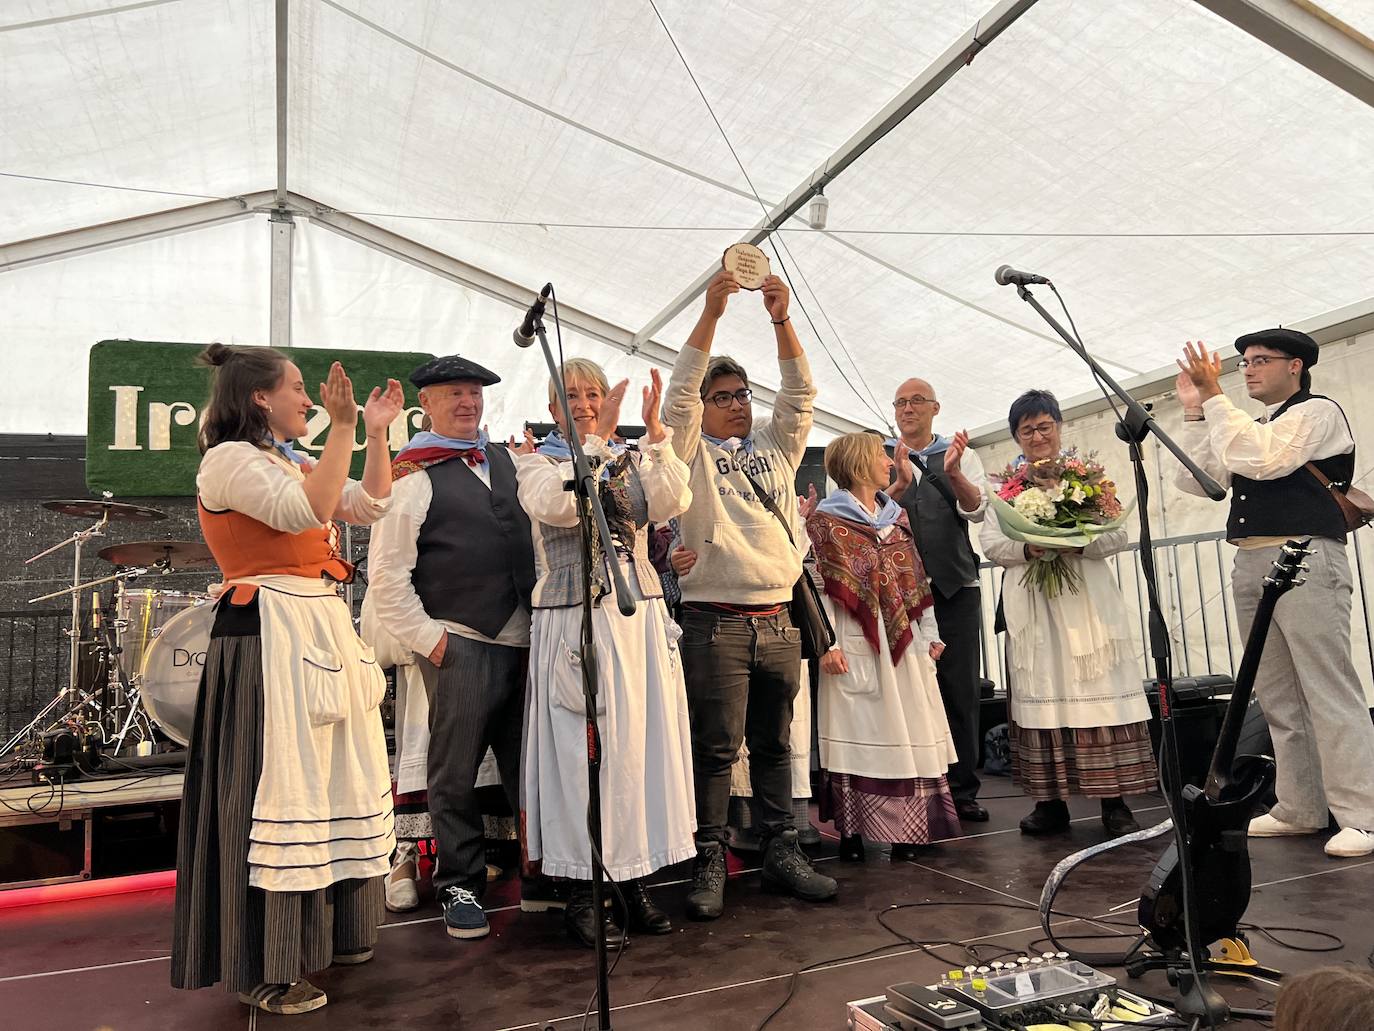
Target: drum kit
{"x": 149, "y": 644}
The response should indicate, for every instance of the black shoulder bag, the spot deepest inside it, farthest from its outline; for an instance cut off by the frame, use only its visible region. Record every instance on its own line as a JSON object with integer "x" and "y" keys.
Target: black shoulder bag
{"x": 808, "y": 614}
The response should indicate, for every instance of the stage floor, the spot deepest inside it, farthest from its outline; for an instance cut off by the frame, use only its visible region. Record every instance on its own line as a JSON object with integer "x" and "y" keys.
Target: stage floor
{"x": 102, "y": 963}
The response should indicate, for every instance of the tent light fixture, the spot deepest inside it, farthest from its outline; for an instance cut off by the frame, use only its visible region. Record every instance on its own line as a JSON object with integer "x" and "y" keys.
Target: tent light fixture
{"x": 820, "y": 209}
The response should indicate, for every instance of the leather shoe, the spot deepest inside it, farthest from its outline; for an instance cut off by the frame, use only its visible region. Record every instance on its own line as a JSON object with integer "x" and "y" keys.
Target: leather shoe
{"x": 1117, "y": 818}
{"x": 970, "y": 811}
{"x": 640, "y": 912}
{"x": 852, "y": 848}
{"x": 1048, "y": 817}
{"x": 579, "y": 919}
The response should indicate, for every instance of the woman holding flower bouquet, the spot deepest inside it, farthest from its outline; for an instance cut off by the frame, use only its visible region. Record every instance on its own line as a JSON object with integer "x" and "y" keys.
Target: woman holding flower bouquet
{"x": 1079, "y": 719}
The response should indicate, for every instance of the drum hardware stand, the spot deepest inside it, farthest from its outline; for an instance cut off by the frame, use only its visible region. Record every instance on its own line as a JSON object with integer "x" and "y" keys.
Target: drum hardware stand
{"x": 77, "y": 697}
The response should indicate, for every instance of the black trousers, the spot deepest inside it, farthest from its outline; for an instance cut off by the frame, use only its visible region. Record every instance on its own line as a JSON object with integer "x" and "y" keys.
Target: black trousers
{"x": 476, "y": 702}
{"x": 959, "y": 618}
{"x": 742, "y": 675}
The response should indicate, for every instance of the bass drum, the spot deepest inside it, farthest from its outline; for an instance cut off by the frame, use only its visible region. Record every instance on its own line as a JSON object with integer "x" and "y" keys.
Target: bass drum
{"x": 171, "y": 671}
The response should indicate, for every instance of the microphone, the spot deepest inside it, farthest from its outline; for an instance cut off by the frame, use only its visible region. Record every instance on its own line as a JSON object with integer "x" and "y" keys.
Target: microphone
{"x": 524, "y": 335}
{"x": 1008, "y": 276}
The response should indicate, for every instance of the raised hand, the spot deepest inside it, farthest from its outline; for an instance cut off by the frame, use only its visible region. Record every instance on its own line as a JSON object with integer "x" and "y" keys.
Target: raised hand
{"x": 776, "y": 298}
{"x": 1202, "y": 369}
{"x": 954, "y": 454}
{"x": 653, "y": 402}
{"x": 526, "y": 447}
{"x": 718, "y": 293}
{"x": 808, "y": 504}
{"x": 336, "y": 397}
{"x": 609, "y": 417}
{"x": 902, "y": 472}
{"x": 381, "y": 409}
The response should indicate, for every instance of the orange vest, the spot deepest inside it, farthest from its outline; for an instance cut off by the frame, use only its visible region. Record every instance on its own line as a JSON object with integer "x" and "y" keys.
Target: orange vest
{"x": 244, "y": 547}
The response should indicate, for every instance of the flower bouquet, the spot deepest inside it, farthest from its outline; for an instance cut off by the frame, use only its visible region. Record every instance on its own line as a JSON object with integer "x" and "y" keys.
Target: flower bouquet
{"x": 1057, "y": 503}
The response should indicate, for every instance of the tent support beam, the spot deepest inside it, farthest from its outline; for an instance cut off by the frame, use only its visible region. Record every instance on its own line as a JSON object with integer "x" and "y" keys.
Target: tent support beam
{"x": 519, "y": 297}
{"x": 1303, "y": 31}
{"x": 958, "y": 55}
{"x": 283, "y": 228}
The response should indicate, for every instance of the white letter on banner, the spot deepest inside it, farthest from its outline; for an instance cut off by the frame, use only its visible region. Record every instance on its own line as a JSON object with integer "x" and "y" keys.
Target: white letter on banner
{"x": 126, "y": 419}
{"x": 160, "y": 418}
{"x": 315, "y": 424}
{"x": 398, "y": 433}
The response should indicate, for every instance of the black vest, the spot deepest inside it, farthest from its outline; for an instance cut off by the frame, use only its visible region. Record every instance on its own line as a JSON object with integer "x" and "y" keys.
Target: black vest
{"x": 941, "y": 534}
{"x": 1296, "y": 505}
{"x": 476, "y": 555}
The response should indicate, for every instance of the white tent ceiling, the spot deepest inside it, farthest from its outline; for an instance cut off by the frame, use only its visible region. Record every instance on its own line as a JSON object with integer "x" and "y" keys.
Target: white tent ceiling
{"x": 1175, "y": 175}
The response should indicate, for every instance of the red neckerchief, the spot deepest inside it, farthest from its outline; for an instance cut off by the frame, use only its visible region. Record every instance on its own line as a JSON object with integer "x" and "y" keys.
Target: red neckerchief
{"x": 416, "y": 459}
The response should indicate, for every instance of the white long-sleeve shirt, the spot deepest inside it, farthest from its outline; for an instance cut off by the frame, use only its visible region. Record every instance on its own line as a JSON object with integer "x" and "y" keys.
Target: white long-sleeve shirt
{"x": 391, "y": 560}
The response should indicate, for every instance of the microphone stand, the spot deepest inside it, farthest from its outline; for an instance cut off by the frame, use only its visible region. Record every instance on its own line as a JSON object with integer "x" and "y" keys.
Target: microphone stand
{"x": 1197, "y": 999}
{"x": 589, "y": 514}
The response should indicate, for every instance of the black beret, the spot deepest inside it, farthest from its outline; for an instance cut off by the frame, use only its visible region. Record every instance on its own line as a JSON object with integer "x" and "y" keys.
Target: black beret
{"x": 1289, "y": 341}
{"x": 450, "y": 367}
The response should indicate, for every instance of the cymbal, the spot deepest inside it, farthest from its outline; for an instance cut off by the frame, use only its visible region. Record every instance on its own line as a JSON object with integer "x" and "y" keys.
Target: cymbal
{"x": 176, "y": 554}
{"x": 117, "y": 511}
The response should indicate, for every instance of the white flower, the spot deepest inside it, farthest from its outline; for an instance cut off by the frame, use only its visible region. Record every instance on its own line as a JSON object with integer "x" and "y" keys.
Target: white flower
{"x": 1078, "y": 495}
{"x": 1035, "y": 504}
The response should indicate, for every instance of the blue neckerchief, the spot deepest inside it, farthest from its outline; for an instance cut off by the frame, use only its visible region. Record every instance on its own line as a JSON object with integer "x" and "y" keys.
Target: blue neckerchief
{"x": 555, "y": 446}
{"x": 844, "y": 505}
{"x": 937, "y": 443}
{"x": 732, "y": 444}
{"x": 283, "y": 448}
{"x": 428, "y": 438}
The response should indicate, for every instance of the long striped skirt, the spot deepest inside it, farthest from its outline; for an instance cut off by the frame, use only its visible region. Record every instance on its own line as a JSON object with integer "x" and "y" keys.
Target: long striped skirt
{"x": 911, "y": 811}
{"x": 1099, "y": 762}
{"x": 225, "y": 929}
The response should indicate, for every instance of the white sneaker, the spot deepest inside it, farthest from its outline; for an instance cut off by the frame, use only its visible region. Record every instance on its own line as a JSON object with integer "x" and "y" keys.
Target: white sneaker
{"x": 403, "y": 893}
{"x": 1267, "y": 826}
{"x": 1350, "y": 842}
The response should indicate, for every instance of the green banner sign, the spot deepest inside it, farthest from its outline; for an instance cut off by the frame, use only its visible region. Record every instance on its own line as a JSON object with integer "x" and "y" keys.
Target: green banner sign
{"x": 145, "y": 401}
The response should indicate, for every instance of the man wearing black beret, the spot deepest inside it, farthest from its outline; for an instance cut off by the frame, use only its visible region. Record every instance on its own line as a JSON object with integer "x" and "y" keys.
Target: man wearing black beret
{"x": 450, "y": 574}
{"x": 1307, "y": 685}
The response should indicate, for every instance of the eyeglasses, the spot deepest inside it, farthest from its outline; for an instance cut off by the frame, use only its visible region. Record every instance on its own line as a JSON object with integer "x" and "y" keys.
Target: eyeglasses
{"x": 1261, "y": 360}
{"x": 724, "y": 397}
{"x": 1045, "y": 429}
{"x": 912, "y": 402}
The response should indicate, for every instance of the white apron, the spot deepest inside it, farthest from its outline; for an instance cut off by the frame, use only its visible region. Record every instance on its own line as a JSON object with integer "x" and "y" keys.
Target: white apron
{"x": 322, "y": 812}
{"x": 1073, "y": 657}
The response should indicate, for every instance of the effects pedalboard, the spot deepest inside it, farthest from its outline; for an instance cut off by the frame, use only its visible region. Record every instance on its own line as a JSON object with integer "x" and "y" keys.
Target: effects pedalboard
{"x": 1048, "y": 993}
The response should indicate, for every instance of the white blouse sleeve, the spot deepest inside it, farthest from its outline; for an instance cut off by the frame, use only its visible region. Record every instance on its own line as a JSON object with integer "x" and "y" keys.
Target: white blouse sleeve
{"x": 1108, "y": 543}
{"x": 997, "y": 547}
{"x": 665, "y": 478}
{"x": 359, "y": 507}
{"x": 392, "y": 554}
{"x": 240, "y": 477}
{"x": 930, "y": 629}
{"x": 1271, "y": 450}
{"x": 540, "y": 489}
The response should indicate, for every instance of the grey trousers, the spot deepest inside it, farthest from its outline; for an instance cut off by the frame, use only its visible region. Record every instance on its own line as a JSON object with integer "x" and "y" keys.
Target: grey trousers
{"x": 1310, "y": 693}
{"x": 476, "y": 701}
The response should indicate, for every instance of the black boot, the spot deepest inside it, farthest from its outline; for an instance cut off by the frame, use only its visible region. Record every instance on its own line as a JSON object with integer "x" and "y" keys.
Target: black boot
{"x": 852, "y": 848}
{"x": 706, "y": 900}
{"x": 902, "y": 852}
{"x": 1117, "y": 818}
{"x": 1050, "y": 817}
{"x": 579, "y": 919}
{"x": 787, "y": 870}
{"x": 641, "y": 914}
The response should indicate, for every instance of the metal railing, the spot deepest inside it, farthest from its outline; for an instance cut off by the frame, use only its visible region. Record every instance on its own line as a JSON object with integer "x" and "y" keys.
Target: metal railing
{"x": 33, "y": 663}
{"x": 1195, "y": 593}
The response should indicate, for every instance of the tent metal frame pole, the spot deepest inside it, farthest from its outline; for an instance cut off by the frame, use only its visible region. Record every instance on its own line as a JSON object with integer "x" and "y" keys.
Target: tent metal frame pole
{"x": 958, "y": 55}
{"x": 519, "y": 297}
{"x": 280, "y": 223}
{"x": 1304, "y": 32}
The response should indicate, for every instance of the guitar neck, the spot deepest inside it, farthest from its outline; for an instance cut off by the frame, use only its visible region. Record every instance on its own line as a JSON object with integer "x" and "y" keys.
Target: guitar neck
{"x": 1224, "y": 755}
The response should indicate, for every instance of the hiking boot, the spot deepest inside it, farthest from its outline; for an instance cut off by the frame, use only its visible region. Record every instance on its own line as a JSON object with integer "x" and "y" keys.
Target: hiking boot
{"x": 787, "y": 870}
{"x": 706, "y": 900}
{"x": 641, "y": 914}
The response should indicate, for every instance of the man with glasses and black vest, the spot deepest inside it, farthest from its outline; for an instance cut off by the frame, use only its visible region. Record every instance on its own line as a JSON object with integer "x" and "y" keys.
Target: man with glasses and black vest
{"x": 1281, "y": 469}
{"x": 741, "y": 654}
{"x": 940, "y": 482}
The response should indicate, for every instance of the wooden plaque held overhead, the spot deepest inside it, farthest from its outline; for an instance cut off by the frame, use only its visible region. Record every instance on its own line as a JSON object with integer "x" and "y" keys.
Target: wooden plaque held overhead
{"x": 747, "y": 264}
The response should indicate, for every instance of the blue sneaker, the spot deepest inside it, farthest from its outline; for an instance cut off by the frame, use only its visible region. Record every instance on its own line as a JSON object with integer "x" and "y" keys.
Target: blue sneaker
{"x": 463, "y": 914}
